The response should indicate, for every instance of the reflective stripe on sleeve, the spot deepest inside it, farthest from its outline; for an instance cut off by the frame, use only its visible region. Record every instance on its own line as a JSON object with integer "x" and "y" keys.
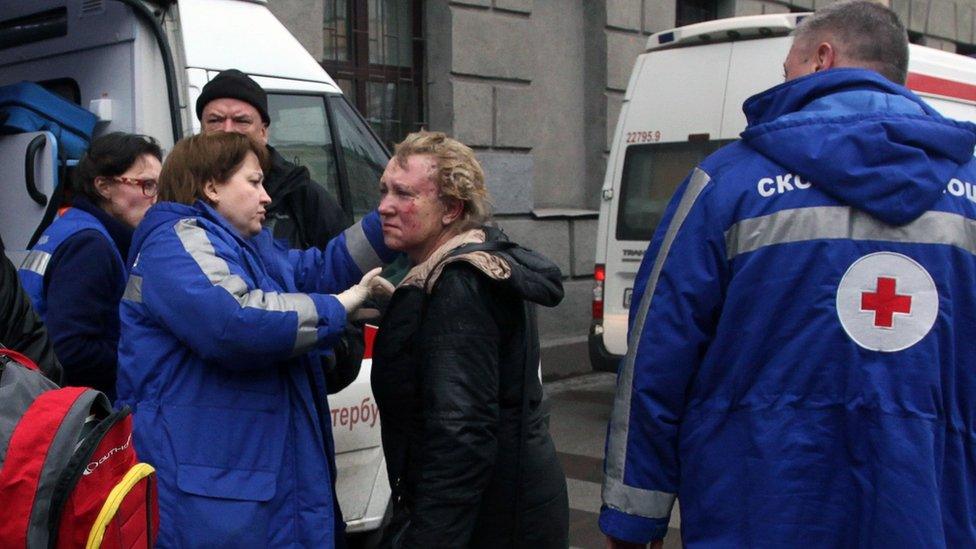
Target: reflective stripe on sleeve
{"x": 834, "y": 222}
{"x": 198, "y": 245}
{"x": 617, "y": 494}
{"x": 360, "y": 249}
{"x": 636, "y": 501}
{"x": 36, "y": 261}
{"x": 133, "y": 289}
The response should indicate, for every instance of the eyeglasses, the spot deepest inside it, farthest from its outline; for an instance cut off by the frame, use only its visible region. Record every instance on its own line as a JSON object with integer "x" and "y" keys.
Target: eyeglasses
{"x": 149, "y": 186}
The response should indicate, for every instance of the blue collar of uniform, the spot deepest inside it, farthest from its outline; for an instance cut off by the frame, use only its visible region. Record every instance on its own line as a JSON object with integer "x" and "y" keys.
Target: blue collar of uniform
{"x": 793, "y": 96}
{"x": 165, "y": 212}
{"x": 214, "y": 216}
{"x": 120, "y": 232}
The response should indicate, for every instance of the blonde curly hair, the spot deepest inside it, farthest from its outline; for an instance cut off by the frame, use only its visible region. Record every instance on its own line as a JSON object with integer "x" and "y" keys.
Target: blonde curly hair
{"x": 458, "y": 173}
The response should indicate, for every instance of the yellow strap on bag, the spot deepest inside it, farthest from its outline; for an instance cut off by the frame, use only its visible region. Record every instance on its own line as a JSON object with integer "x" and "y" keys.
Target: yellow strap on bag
{"x": 138, "y": 472}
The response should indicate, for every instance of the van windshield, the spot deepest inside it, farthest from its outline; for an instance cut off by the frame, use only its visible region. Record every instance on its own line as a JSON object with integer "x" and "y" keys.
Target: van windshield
{"x": 301, "y": 135}
{"x": 651, "y": 174}
{"x": 364, "y": 157}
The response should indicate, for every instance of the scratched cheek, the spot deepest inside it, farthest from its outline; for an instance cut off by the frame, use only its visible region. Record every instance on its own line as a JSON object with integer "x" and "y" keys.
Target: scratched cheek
{"x": 409, "y": 216}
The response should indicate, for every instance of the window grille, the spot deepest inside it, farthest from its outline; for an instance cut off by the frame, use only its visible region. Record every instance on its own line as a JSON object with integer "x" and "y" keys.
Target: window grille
{"x": 374, "y": 49}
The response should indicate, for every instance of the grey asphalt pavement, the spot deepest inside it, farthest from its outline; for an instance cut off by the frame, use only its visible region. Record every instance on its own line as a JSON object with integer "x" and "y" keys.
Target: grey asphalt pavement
{"x": 578, "y": 424}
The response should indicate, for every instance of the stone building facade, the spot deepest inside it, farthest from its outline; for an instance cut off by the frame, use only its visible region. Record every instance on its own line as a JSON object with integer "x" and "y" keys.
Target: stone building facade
{"x": 535, "y": 87}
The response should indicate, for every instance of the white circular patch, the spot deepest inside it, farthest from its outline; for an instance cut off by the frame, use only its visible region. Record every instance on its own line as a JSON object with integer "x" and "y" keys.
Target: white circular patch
{"x": 887, "y": 302}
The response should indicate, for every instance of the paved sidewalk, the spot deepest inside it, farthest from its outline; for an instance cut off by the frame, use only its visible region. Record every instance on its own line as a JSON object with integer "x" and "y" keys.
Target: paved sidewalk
{"x": 580, "y": 412}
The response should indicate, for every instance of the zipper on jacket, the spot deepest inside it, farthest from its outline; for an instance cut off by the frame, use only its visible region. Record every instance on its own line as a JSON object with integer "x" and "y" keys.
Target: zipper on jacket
{"x": 74, "y": 468}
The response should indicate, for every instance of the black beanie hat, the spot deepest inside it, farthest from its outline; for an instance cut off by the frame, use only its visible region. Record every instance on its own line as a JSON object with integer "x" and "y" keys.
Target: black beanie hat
{"x": 234, "y": 84}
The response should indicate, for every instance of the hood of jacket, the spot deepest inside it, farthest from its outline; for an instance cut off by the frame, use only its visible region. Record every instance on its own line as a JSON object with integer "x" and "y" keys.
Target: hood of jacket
{"x": 530, "y": 275}
{"x": 861, "y": 139}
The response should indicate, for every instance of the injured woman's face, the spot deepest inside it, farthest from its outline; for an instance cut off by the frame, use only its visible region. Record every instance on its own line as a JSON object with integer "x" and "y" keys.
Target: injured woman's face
{"x": 416, "y": 220}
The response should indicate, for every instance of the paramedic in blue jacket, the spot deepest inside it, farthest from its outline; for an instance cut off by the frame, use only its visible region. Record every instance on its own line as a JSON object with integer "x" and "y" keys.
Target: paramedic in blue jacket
{"x": 76, "y": 273}
{"x": 218, "y": 354}
{"x": 801, "y": 367}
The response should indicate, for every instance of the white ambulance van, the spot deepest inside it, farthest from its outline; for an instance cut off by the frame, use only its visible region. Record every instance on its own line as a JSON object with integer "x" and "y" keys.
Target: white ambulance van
{"x": 140, "y": 66}
{"x": 684, "y": 101}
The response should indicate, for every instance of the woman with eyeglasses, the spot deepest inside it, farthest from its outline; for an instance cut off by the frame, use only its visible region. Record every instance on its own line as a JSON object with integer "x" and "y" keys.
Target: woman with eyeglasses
{"x": 76, "y": 273}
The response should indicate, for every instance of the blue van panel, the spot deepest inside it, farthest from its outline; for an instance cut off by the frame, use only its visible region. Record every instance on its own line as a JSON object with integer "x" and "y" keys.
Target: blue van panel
{"x": 27, "y": 107}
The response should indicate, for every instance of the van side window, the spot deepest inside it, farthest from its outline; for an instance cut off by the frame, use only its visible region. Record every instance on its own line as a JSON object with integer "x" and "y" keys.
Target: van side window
{"x": 651, "y": 174}
{"x": 363, "y": 157}
{"x": 301, "y": 135}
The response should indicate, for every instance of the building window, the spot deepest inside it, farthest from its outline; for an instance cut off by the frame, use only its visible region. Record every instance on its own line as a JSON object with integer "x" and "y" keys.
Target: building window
{"x": 695, "y": 11}
{"x": 374, "y": 50}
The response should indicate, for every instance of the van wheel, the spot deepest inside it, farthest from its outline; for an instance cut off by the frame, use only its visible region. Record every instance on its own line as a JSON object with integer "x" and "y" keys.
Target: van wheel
{"x": 602, "y": 360}
{"x": 372, "y": 540}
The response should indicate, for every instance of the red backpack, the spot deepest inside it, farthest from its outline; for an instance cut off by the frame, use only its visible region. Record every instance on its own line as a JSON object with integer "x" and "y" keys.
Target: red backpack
{"x": 69, "y": 476}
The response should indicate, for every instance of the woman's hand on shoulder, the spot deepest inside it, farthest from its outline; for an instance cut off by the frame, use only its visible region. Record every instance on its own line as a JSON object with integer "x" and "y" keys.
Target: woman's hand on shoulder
{"x": 371, "y": 285}
{"x": 380, "y": 288}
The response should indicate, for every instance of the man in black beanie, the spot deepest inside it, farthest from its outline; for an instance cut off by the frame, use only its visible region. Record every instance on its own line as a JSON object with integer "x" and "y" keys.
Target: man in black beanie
{"x": 301, "y": 211}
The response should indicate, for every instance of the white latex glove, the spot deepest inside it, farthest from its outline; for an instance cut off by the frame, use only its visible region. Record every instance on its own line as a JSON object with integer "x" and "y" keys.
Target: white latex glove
{"x": 354, "y": 297}
{"x": 380, "y": 289}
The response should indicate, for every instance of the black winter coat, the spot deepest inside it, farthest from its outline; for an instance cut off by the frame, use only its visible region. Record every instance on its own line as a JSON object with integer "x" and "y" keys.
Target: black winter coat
{"x": 301, "y": 211}
{"x": 20, "y": 327}
{"x": 464, "y": 423}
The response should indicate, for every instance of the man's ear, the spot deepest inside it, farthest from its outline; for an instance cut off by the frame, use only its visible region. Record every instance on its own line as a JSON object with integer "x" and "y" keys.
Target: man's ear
{"x": 102, "y": 185}
{"x": 453, "y": 208}
{"x": 210, "y": 192}
{"x": 825, "y": 57}
{"x": 264, "y": 134}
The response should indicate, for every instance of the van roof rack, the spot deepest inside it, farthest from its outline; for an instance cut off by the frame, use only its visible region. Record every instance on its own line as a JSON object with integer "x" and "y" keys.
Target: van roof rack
{"x": 726, "y": 30}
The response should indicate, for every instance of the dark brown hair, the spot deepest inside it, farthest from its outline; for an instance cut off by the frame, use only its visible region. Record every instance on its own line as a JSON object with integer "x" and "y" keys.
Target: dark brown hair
{"x": 205, "y": 157}
{"x": 111, "y": 155}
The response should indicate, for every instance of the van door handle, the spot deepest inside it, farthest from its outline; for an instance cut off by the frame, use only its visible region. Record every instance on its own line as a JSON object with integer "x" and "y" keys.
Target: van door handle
{"x": 32, "y": 148}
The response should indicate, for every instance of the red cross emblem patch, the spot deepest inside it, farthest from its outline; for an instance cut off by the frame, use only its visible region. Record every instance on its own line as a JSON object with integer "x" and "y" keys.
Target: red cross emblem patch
{"x": 887, "y": 302}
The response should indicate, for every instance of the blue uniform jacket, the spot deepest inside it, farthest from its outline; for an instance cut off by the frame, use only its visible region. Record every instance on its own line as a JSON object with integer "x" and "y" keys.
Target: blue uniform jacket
{"x": 801, "y": 369}
{"x": 218, "y": 360}
{"x": 75, "y": 277}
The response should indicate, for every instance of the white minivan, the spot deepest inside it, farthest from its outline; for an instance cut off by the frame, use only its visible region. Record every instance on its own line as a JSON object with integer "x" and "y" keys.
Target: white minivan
{"x": 684, "y": 101}
{"x": 140, "y": 65}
